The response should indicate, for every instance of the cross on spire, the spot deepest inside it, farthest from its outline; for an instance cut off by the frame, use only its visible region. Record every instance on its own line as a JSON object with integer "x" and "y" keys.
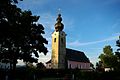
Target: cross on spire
{"x": 59, "y": 25}
{"x": 59, "y": 11}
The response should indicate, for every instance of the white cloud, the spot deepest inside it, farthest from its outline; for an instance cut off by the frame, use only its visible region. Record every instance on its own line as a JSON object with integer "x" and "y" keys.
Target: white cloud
{"x": 44, "y": 58}
{"x": 118, "y": 33}
{"x": 78, "y": 43}
{"x": 116, "y": 24}
{"x": 34, "y": 2}
{"x": 68, "y": 23}
{"x": 93, "y": 60}
{"x": 20, "y": 62}
{"x": 48, "y": 20}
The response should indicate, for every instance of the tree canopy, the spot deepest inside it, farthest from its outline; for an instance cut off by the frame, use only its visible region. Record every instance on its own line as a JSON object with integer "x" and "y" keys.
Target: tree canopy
{"x": 117, "y": 53}
{"x": 108, "y": 59}
{"x": 20, "y": 34}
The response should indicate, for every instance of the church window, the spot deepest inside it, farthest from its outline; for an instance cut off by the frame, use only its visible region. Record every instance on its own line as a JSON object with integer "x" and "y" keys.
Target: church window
{"x": 54, "y": 39}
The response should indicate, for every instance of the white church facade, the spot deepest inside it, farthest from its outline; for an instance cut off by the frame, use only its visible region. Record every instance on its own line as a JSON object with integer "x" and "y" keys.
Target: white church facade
{"x": 62, "y": 57}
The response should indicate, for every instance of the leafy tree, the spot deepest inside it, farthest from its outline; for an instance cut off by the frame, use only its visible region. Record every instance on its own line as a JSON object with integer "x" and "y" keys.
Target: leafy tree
{"x": 20, "y": 35}
{"x": 118, "y": 50}
{"x": 118, "y": 53}
{"x": 99, "y": 66}
{"x": 108, "y": 58}
{"x": 118, "y": 43}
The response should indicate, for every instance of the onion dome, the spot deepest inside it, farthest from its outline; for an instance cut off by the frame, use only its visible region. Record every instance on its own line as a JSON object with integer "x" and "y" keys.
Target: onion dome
{"x": 59, "y": 26}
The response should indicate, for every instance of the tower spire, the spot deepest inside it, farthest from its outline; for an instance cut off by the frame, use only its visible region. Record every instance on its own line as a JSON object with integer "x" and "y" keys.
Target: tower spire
{"x": 59, "y": 25}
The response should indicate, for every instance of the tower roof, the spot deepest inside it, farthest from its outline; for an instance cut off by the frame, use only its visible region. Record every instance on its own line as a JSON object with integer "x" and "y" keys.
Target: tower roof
{"x": 59, "y": 26}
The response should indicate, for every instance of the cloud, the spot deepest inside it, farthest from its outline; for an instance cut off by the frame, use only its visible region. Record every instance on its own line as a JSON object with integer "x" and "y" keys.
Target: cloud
{"x": 118, "y": 33}
{"x": 116, "y": 24}
{"x": 34, "y": 2}
{"x": 20, "y": 62}
{"x": 44, "y": 58}
{"x": 77, "y": 43}
{"x": 68, "y": 23}
{"x": 48, "y": 20}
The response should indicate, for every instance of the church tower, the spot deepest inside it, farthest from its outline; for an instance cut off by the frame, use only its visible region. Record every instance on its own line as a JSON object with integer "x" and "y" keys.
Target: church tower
{"x": 58, "y": 45}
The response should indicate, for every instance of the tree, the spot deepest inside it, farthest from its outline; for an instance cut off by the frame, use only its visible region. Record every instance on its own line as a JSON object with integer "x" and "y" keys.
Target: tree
{"x": 118, "y": 43}
{"x": 20, "y": 35}
{"x": 108, "y": 59}
{"x": 117, "y": 53}
{"x": 99, "y": 66}
{"x": 118, "y": 50}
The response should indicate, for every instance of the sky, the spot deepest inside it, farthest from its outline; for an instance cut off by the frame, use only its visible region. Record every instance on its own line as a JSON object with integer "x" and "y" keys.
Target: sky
{"x": 89, "y": 24}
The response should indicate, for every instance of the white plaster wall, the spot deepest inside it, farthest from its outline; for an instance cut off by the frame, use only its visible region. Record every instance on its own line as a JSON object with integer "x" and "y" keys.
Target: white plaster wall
{"x": 79, "y": 65}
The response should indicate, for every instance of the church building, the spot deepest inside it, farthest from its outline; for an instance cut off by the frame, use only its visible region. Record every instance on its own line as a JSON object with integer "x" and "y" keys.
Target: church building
{"x": 62, "y": 57}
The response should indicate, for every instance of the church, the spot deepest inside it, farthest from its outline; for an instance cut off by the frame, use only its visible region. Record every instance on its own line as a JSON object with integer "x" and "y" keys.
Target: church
{"x": 62, "y": 57}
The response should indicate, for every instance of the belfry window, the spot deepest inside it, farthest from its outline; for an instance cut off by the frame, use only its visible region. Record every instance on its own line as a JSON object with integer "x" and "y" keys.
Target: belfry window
{"x": 54, "y": 39}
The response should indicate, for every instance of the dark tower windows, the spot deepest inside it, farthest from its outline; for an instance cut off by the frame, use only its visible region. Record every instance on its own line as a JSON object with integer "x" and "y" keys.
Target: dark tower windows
{"x": 54, "y": 39}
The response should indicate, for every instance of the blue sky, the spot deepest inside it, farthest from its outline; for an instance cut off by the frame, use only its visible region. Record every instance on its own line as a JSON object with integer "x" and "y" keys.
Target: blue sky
{"x": 89, "y": 24}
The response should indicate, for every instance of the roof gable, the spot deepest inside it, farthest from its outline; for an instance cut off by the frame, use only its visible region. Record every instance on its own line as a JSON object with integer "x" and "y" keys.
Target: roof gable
{"x": 75, "y": 55}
